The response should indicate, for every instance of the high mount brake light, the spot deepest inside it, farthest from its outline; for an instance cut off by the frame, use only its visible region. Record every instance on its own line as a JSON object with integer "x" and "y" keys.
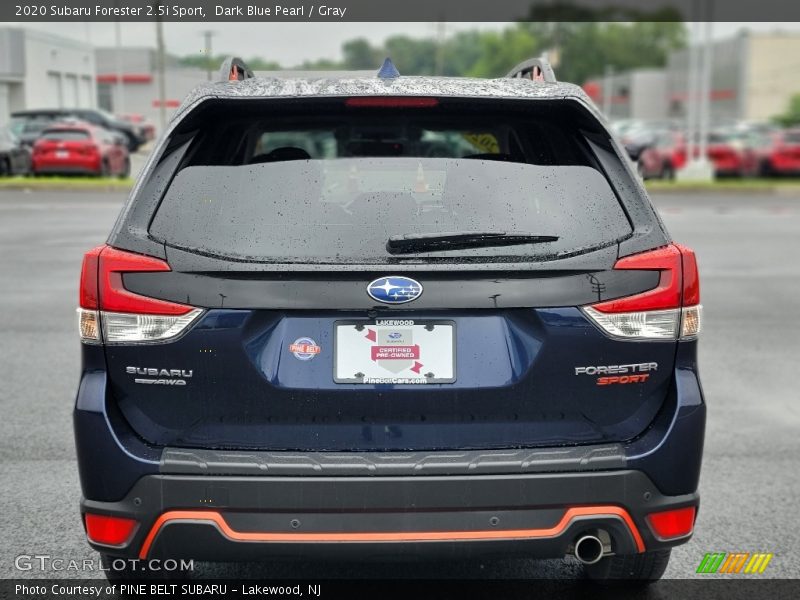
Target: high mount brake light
{"x": 123, "y": 316}
{"x": 391, "y": 102}
{"x": 669, "y": 311}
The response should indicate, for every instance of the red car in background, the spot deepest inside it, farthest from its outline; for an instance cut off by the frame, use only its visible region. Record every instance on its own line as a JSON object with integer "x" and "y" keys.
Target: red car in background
{"x": 80, "y": 148}
{"x": 665, "y": 155}
{"x": 732, "y": 155}
{"x": 780, "y": 155}
{"x": 726, "y": 151}
{"x": 145, "y": 127}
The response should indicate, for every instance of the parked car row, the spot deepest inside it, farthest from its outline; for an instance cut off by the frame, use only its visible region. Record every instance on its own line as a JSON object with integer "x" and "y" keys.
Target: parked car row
{"x": 743, "y": 150}
{"x": 28, "y": 124}
{"x": 65, "y": 147}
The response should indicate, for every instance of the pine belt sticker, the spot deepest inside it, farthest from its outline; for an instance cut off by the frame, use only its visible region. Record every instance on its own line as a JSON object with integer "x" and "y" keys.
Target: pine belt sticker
{"x": 304, "y": 348}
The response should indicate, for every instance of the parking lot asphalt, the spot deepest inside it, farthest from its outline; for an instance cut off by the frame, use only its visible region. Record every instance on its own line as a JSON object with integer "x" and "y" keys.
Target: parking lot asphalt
{"x": 749, "y": 254}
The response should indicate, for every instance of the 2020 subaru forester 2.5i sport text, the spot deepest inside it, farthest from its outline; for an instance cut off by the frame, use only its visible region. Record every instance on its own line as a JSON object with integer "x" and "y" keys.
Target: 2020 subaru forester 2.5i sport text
{"x": 384, "y": 316}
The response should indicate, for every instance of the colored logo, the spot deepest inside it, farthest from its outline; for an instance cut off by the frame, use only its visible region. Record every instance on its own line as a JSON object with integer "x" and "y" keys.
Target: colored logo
{"x": 394, "y": 290}
{"x": 304, "y": 348}
{"x": 741, "y": 562}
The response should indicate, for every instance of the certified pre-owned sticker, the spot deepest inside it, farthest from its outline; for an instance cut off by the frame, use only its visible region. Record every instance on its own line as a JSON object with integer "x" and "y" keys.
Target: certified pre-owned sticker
{"x": 304, "y": 348}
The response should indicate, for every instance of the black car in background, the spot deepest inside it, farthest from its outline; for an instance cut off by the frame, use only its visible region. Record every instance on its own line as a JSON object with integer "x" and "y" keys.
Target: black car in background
{"x": 29, "y": 128}
{"x": 15, "y": 158}
{"x": 90, "y": 115}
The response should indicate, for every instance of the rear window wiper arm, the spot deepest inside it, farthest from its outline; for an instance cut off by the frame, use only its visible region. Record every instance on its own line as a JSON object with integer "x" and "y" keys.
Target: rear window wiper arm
{"x": 459, "y": 240}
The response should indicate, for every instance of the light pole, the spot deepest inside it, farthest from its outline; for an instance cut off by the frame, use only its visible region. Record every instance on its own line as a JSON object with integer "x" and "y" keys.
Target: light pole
{"x": 691, "y": 93}
{"x": 119, "y": 107}
{"x": 608, "y": 84}
{"x": 699, "y": 168}
{"x": 438, "y": 68}
{"x": 705, "y": 92}
{"x": 160, "y": 60}
{"x": 207, "y": 35}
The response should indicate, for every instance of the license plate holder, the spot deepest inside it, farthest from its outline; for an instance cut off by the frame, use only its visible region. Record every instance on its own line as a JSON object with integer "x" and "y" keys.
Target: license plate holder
{"x": 394, "y": 351}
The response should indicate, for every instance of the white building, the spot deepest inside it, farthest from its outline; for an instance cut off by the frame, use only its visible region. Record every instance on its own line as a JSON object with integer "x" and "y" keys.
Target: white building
{"x": 754, "y": 76}
{"x": 127, "y": 81}
{"x": 40, "y": 70}
{"x": 636, "y": 94}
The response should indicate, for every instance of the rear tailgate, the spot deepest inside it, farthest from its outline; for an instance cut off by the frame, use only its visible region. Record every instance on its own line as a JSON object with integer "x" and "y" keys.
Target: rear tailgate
{"x": 297, "y": 350}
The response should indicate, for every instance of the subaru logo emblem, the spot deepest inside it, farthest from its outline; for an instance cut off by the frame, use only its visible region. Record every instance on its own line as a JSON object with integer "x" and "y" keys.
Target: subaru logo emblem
{"x": 394, "y": 290}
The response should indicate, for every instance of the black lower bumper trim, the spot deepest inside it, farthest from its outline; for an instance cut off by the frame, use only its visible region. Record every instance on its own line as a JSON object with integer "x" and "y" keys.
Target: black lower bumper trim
{"x": 246, "y": 517}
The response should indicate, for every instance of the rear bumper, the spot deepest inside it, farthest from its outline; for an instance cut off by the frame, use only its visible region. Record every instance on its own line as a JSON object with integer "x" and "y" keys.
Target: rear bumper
{"x": 241, "y": 505}
{"x": 55, "y": 168}
{"x": 244, "y": 518}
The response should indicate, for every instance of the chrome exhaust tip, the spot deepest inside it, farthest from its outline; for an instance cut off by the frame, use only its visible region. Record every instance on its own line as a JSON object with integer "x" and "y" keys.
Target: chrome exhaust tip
{"x": 589, "y": 549}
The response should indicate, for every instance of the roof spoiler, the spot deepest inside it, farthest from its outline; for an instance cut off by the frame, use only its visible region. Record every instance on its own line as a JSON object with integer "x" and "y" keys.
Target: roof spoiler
{"x": 537, "y": 69}
{"x": 234, "y": 69}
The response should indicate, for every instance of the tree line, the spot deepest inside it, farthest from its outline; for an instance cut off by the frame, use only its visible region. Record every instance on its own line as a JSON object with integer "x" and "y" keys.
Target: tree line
{"x": 579, "y": 50}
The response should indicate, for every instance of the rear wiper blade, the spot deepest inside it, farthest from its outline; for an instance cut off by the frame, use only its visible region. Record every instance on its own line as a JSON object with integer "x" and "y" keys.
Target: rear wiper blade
{"x": 458, "y": 240}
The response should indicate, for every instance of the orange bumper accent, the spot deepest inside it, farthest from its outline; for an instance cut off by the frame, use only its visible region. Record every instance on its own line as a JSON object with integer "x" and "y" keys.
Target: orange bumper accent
{"x": 215, "y": 518}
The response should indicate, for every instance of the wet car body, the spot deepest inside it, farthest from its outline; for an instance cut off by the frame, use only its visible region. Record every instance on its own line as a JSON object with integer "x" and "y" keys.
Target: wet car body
{"x": 390, "y": 316}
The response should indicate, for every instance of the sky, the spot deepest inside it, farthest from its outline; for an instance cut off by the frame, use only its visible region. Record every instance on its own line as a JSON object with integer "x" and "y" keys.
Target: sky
{"x": 291, "y": 43}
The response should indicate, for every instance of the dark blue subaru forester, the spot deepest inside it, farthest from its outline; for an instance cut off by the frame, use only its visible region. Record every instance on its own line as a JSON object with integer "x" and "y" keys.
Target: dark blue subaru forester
{"x": 390, "y": 315}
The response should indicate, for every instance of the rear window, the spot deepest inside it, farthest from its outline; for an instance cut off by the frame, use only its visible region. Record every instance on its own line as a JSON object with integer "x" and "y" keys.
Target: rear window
{"x": 335, "y": 188}
{"x": 65, "y": 135}
{"x": 22, "y": 126}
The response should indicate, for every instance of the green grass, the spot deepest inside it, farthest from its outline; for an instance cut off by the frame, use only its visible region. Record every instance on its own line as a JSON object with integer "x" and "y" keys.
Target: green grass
{"x": 732, "y": 184}
{"x": 653, "y": 185}
{"x": 65, "y": 183}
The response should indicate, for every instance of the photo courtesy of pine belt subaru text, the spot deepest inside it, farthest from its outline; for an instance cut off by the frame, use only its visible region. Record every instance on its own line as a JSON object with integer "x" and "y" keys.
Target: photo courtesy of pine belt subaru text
{"x": 390, "y": 316}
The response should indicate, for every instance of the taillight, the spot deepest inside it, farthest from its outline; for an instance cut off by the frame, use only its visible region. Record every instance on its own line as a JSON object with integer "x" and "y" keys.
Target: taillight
{"x": 110, "y": 313}
{"x": 88, "y": 149}
{"x": 669, "y": 311}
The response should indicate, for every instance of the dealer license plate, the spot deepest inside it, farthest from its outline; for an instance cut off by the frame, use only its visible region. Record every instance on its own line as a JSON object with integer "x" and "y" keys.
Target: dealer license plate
{"x": 394, "y": 351}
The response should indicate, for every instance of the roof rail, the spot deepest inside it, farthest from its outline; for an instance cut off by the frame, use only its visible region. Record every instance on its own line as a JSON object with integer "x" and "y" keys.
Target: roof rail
{"x": 538, "y": 69}
{"x": 234, "y": 69}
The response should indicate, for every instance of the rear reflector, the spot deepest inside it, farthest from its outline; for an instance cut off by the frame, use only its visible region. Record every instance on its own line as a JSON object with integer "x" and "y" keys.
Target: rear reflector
{"x": 391, "y": 102}
{"x": 669, "y": 311}
{"x": 672, "y": 524}
{"x": 109, "y": 531}
{"x": 112, "y": 314}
